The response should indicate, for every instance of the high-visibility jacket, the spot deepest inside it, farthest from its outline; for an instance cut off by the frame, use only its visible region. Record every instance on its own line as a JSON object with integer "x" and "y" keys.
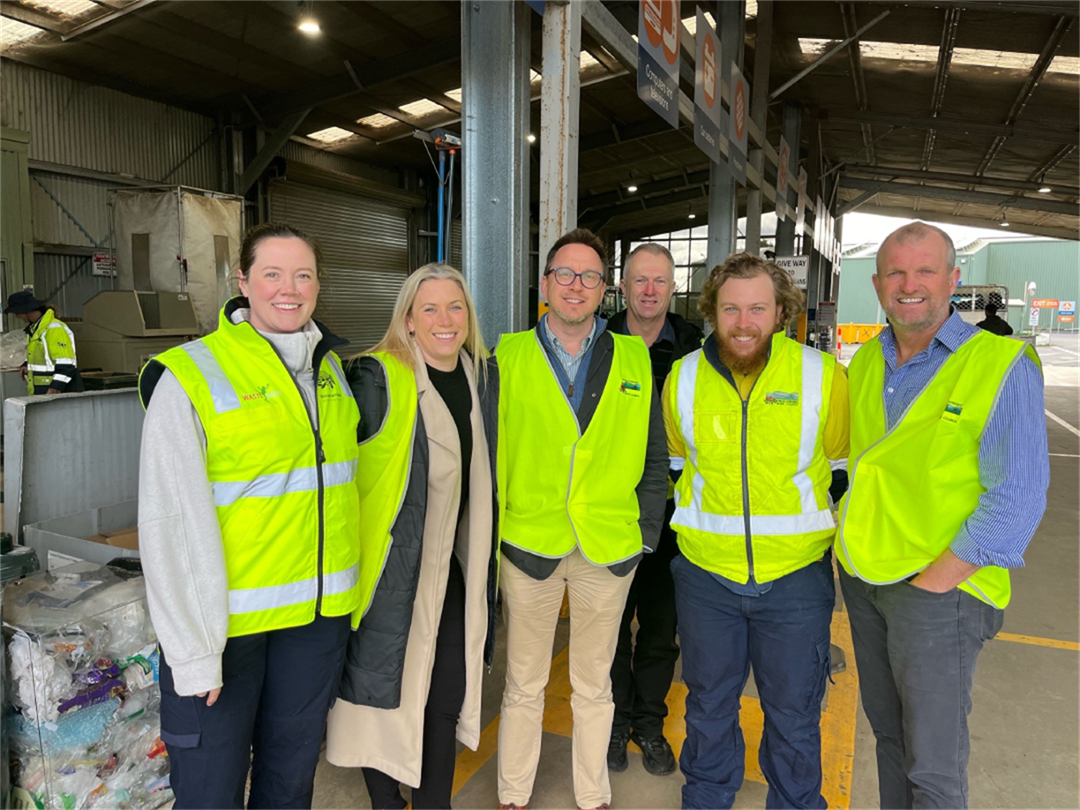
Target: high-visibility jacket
{"x": 385, "y": 461}
{"x": 283, "y": 484}
{"x": 912, "y": 487}
{"x": 50, "y": 354}
{"x": 753, "y": 497}
{"x": 561, "y": 488}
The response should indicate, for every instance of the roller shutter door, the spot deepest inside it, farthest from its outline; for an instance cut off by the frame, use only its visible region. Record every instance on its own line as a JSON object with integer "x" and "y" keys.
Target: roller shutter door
{"x": 365, "y": 256}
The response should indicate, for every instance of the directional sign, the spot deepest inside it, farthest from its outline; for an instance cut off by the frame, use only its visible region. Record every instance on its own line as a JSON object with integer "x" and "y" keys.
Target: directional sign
{"x": 737, "y": 138}
{"x": 783, "y": 158}
{"x": 800, "y": 210}
{"x": 1067, "y": 308}
{"x": 1066, "y": 318}
{"x": 1033, "y": 317}
{"x": 797, "y": 266}
{"x": 659, "y": 31}
{"x": 707, "y": 90}
{"x": 1045, "y": 303}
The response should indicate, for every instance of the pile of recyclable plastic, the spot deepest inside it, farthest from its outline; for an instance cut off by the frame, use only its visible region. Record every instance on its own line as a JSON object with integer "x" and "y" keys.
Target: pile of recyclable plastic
{"x": 82, "y": 693}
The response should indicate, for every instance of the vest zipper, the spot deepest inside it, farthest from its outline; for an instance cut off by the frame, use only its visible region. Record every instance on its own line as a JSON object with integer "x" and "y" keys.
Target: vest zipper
{"x": 746, "y": 488}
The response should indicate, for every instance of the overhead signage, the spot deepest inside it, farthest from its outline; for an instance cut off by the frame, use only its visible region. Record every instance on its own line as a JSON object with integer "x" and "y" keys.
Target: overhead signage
{"x": 659, "y": 32}
{"x": 738, "y": 131}
{"x": 800, "y": 207}
{"x": 797, "y": 266}
{"x": 783, "y": 158}
{"x": 819, "y": 224}
{"x": 1066, "y": 308}
{"x": 1033, "y": 317}
{"x": 1045, "y": 303}
{"x": 707, "y": 90}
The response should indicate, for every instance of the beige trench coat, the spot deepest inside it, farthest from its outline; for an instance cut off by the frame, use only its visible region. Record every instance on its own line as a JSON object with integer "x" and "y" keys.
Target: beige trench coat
{"x": 391, "y": 740}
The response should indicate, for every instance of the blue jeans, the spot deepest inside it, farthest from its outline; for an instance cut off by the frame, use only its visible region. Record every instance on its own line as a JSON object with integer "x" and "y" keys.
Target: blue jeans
{"x": 784, "y": 634}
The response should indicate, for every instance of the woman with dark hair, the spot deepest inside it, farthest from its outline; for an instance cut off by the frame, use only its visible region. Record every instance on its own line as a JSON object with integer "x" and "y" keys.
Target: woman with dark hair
{"x": 248, "y": 531}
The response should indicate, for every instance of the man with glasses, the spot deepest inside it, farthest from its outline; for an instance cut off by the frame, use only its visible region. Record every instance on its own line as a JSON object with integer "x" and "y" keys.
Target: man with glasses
{"x": 645, "y": 664}
{"x": 582, "y": 471}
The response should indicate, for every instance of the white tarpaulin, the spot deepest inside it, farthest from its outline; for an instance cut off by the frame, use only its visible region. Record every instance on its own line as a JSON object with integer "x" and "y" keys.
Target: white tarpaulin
{"x": 178, "y": 240}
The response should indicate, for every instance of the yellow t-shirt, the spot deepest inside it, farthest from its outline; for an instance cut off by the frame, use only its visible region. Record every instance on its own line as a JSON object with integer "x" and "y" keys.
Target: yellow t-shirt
{"x": 837, "y": 438}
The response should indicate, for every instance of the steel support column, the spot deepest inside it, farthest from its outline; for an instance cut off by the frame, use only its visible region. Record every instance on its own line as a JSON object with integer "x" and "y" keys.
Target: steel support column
{"x": 495, "y": 48}
{"x": 560, "y": 100}
{"x": 785, "y": 231}
{"x": 759, "y": 114}
{"x": 813, "y": 187}
{"x": 723, "y": 204}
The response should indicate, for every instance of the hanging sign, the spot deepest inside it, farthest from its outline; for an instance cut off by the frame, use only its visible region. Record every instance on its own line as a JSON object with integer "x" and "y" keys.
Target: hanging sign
{"x": 740, "y": 115}
{"x": 707, "y": 90}
{"x": 783, "y": 156}
{"x": 800, "y": 208}
{"x": 797, "y": 266}
{"x": 104, "y": 264}
{"x": 659, "y": 31}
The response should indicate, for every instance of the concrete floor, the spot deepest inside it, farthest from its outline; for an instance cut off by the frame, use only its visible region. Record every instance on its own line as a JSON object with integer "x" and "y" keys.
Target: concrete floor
{"x": 1025, "y": 734}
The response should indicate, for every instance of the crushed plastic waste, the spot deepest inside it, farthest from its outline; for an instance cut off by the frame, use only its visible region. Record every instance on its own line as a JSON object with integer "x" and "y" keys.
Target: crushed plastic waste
{"x": 84, "y": 713}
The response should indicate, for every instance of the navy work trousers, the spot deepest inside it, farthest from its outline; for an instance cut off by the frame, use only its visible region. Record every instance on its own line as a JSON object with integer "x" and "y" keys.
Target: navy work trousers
{"x": 270, "y": 717}
{"x": 785, "y": 635}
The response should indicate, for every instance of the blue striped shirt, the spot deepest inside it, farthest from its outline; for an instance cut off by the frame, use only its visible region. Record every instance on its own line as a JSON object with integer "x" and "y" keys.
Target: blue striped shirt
{"x": 1014, "y": 464}
{"x": 570, "y": 370}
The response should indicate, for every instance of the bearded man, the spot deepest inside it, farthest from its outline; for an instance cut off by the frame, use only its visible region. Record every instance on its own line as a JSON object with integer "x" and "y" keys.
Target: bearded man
{"x": 754, "y": 421}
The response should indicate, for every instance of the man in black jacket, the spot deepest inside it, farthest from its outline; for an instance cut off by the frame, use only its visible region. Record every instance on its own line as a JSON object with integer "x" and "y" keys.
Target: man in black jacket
{"x": 641, "y": 673}
{"x": 994, "y": 324}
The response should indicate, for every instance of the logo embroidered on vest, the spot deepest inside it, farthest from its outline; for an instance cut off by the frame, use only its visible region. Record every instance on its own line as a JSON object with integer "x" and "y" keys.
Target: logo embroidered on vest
{"x": 630, "y": 388}
{"x": 952, "y": 411}
{"x": 263, "y": 392}
{"x": 781, "y": 398}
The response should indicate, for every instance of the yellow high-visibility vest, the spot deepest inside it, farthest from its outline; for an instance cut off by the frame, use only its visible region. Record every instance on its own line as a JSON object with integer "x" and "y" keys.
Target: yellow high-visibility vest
{"x": 753, "y": 497}
{"x": 50, "y": 351}
{"x": 283, "y": 485}
{"x": 913, "y": 487}
{"x": 559, "y": 487}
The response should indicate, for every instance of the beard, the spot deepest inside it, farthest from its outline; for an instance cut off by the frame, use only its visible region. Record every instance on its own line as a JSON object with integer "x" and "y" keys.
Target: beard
{"x": 740, "y": 362}
{"x": 933, "y": 317}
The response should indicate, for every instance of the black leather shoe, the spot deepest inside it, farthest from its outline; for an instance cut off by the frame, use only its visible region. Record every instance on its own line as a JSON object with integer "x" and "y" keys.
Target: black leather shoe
{"x": 616, "y": 752}
{"x": 659, "y": 759}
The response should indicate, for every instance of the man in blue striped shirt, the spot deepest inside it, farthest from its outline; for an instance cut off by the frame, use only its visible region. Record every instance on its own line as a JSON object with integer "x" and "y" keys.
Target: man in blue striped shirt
{"x": 918, "y": 623}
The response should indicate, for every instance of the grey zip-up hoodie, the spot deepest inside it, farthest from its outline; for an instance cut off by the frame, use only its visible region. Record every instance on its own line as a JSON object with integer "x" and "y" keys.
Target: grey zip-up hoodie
{"x": 180, "y": 542}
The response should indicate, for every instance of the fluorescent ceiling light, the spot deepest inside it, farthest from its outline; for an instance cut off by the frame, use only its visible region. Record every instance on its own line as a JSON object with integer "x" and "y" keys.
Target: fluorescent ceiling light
{"x": 421, "y": 107}
{"x": 1003, "y": 224}
{"x": 693, "y": 216}
{"x": 13, "y": 32}
{"x": 331, "y": 135}
{"x": 1045, "y": 189}
{"x": 377, "y": 121}
{"x": 691, "y": 22}
{"x": 631, "y": 189}
{"x": 454, "y": 94}
{"x": 310, "y": 26}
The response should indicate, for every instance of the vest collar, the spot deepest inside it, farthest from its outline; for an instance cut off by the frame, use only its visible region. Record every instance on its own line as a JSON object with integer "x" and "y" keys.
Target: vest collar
{"x": 328, "y": 342}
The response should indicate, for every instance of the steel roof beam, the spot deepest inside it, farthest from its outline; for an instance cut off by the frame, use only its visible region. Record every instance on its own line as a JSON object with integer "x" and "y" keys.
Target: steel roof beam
{"x": 273, "y": 145}
{"x": 1058, "y": 156}
{"x": 34, "y": 17}
{"x": 941, "y": 76}
{"x": 850, "y": 21}
{"x": 978, "y": 222}
{"x": 1061, "y": 28}
{"x": 93, "y": 25}
{"x": 1030, "y": 133}
{"x": 962, "y": 179}
{"x": 961, "y": 195}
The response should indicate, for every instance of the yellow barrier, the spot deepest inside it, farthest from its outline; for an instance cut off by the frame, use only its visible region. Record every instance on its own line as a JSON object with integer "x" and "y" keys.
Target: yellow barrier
{"x": 859, "y": 332}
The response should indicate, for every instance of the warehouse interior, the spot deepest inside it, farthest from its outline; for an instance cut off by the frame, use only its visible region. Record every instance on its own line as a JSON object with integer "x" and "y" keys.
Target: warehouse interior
{"x": 221, "y": 115}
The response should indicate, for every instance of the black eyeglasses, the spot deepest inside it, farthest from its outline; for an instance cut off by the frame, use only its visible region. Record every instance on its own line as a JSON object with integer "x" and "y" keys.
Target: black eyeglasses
{"x": 590, "y": 279}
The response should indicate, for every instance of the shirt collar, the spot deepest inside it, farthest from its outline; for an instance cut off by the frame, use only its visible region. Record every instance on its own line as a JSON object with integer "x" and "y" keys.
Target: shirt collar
{"x": 599, "y": 325}
{"x": 667, "y": 332}
{"x": 951, "y": 334}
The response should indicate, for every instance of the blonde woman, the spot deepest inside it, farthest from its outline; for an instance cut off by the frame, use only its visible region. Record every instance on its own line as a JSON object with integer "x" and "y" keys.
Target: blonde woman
{"x": 428, "y": 398}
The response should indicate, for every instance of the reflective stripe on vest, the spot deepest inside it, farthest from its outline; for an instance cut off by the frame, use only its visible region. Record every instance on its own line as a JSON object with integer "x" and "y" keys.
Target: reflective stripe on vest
{"x": 41, "y": 367}
{"x": 565, "y": 489}
{"x": 913, "y": 486}
{"x": 284, "y": 491}
{"x": 789, "y": 524}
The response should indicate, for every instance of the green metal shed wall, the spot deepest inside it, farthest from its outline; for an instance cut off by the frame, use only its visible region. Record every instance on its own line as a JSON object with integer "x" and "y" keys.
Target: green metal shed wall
{"x": 1054, "y": 267}
{"x": 858, "y": 302}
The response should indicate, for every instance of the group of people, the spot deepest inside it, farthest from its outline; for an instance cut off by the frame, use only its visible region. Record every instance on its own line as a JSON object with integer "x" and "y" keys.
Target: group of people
{"x": 325, "y": 539}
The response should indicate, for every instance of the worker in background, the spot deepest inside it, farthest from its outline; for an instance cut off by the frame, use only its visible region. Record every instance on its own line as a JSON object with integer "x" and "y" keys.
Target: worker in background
{"x": 993, "y": 324}
{"x": 414, "y": 667}
{"x": 249, "y": 520}
{"x": 754, "y": 420}
{"x": 643, "y": 668}
{"x": 948, "y": 483}
{"x": 50, "y": 366}
{"x": 582, "y": 475}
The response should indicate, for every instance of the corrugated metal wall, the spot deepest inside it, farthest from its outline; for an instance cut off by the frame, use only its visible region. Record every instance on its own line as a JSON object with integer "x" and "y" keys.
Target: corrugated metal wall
{"x": 78, "y": 124}
{"x": 858, "y": 302}
{"x": 67, "y": 282}
{"x": 322, "y": 159}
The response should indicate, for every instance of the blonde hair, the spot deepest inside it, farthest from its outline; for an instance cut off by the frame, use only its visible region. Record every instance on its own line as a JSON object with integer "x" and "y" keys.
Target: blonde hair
{"x": 397, "y": 340}
{"x": 789, "y": 298}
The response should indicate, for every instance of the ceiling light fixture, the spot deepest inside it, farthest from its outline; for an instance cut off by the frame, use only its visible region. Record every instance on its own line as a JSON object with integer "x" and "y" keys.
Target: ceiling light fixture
{"x": 308, "y": 22}
{"x": 532, "y": 138}
{"x": 1045, "y": 189}
{"x": 693, "y": 216}
{"x": 631, "y": 189}
{"x": 1003, "y": 224}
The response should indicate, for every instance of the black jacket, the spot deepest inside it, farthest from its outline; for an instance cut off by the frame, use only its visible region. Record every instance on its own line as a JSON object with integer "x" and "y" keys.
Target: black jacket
{"x": 375, "y": 656}
{"x": 688, "y": 338}
{"x": 651, "y": 490}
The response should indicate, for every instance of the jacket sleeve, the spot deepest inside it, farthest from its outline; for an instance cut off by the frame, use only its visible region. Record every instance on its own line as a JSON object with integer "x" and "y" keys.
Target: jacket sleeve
{"x": 367, "y": 379}
{"x": 652, "y": 489}
{"x": 180, "y": 541}
{"x": 61, "y": 348}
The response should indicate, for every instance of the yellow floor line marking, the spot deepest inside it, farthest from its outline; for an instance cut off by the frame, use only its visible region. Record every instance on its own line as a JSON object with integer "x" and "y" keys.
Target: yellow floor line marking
{"x": 1063, "y": 423}
{"x": 1039, "y": 642}
{"x": 837, "y": 724}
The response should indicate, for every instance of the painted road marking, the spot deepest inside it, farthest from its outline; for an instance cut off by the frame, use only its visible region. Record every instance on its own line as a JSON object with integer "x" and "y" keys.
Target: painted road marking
{"x": 837, "y": 724}
{"x": 1063, "y": 423}
{"x": 1039, "y": 642}
{"x": 1064, "y": 455}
